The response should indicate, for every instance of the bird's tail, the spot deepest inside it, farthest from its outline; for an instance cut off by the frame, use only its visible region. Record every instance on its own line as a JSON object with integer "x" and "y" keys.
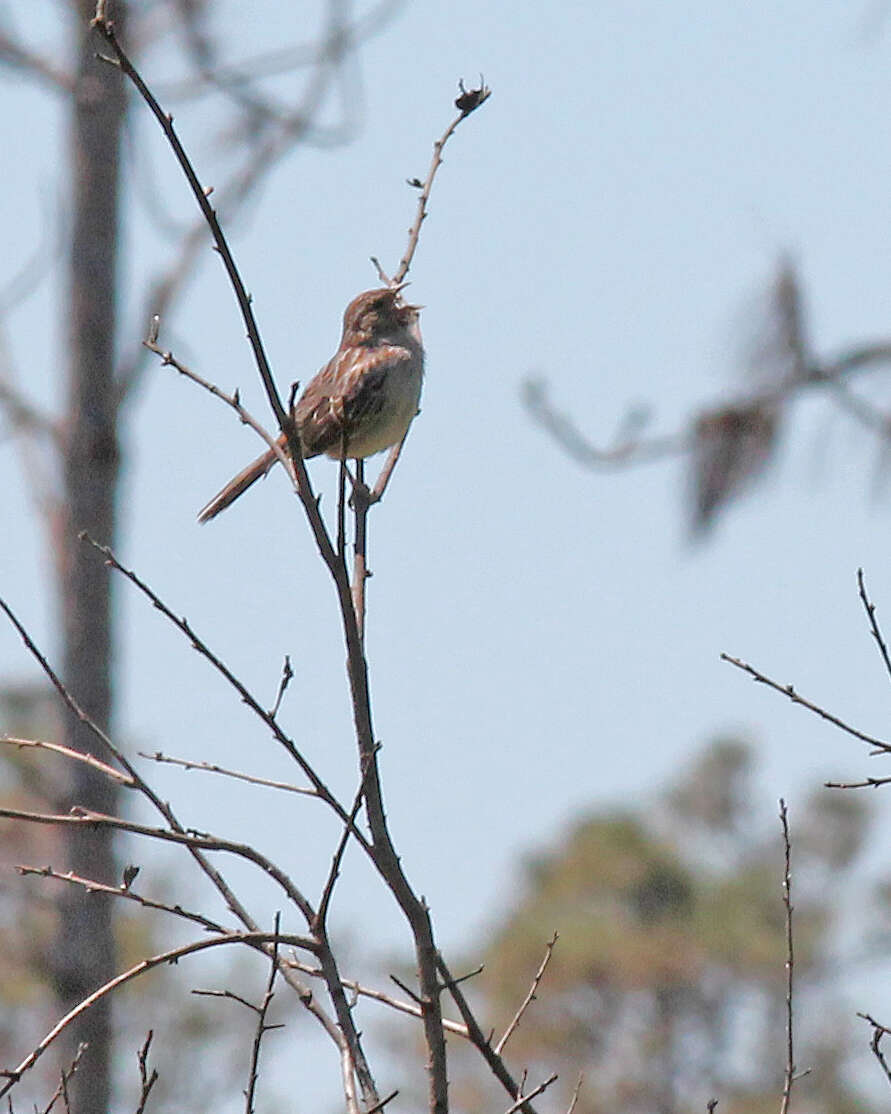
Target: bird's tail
{"x": 238, "y": 485}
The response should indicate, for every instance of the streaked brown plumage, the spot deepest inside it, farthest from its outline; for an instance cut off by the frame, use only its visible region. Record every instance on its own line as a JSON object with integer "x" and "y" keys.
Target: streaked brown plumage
{"x": 363, "y": 399}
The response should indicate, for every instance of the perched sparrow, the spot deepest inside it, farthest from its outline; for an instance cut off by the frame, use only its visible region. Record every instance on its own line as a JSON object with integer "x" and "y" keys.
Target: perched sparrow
{"x": 363, "y": 400}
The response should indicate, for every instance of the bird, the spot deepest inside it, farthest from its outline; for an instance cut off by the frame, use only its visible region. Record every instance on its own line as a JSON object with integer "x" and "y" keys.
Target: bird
{"x": 362, "y": 401}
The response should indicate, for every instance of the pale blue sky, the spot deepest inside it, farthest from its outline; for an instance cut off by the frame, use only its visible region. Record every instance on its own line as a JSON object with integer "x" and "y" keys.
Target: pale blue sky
{"x": 541, "y": 639}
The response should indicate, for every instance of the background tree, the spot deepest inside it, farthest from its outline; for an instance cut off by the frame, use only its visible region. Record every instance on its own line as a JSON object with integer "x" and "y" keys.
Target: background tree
{"x": 666, "y": 985}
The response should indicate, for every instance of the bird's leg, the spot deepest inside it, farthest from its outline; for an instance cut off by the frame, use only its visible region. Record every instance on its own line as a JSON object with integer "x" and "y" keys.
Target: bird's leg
{"x": 377, "y": 492}
{"x": 343, "y": 472}
{"x": 360, "y": 502}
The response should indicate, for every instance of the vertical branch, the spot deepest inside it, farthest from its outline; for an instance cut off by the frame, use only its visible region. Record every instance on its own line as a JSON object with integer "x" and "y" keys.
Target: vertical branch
{"x": 787, "y": 902}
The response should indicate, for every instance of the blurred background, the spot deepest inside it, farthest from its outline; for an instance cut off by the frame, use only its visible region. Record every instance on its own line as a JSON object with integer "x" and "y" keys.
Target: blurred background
{"x": 662, "y": 213}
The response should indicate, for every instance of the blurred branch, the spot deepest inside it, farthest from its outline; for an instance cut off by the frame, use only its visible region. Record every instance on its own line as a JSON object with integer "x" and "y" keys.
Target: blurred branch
{"x": 730, "y": 444}
{"x": 282, "y": 60}
{"x": 262, "y": 155}
{"x": 16, "y": 56}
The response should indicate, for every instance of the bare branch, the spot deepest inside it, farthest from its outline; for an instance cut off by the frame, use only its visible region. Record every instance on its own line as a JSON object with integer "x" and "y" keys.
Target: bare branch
{"x": 870, "y": 609}
{"x": 530, "y": 997}
{"x": 247, "y": 697}
{"x": 788, "y": 690}
{"x": 867, "y": 783}
{"x": 13, "y": 1075}
{"x": 468, "y": 102}
{"x": 213, "y": 768}
{"x": 201, "y": 195}
{"x": 575, "y": 1093}
{"x": 262, "y": 1027}
{"x": 789, "y": 1075}
{"x": 61, "y": 1091}
{"x": 74, "y": 755}
{"x": 169, "y": 360}
{"x": 523, "y": 1099}
{"x": 147, "y": 1079}
{"x": 482, "y": 1043}
{"x": 86, "y": 818}
{"x": 125, "y": 892}
{"x": 878, "y": 1031}
{"x": 357, "y": 988}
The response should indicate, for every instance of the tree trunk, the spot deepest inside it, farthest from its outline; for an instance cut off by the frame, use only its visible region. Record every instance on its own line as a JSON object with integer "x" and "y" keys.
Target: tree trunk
{"x": 84, "y": 953}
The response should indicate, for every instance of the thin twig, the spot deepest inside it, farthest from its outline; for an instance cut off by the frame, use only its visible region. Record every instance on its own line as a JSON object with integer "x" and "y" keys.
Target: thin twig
{"x": 788, "y": 690}
{"x": 147, "y": 1079}
{"x": 478, "y": 1039}
{"x": 13, "y": 1075}
{"x": 169, "y": 360}
{"x": 523, "y": 1099}
{"x": 247, "y": 697}
{"x": 878, "y": 1031}
{"x": 213, "y": 768}
{"x": 468, "y": 102}
{"x": 575, "y": 1093}
{"x": 87, "y": 818}
{"x": 201, "y": 195}
{"x": 286, "y": 678}
{"x": 787, "y": 903}
{"x": 530, "y": 997}
{"x": 867, "y": 783}
{"x": 307, "y": 998}
{"x": 66, "y": 1075}
{"x": 359, "y": 989}
{"x": 870, "y": 609}
{"x": 125, "y": 892}
{"x": 380, "y": 1105}
{"x": 262, "y": 1028}
{"x": 333, "y": 873}
{"x": 74, "y": 755}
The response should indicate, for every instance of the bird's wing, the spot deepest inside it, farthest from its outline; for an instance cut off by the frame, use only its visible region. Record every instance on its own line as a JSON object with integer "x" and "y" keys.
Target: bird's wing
{"x": 347, "y": 392}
